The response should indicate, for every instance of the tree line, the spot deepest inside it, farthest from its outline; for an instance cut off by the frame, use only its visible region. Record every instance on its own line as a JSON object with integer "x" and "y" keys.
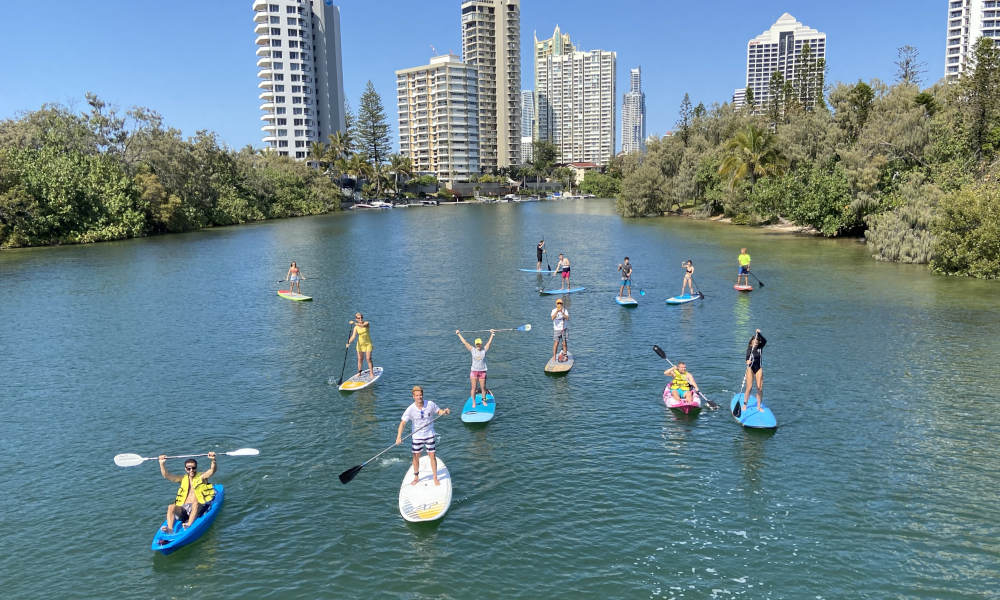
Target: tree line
{"x": 911, "y": 169}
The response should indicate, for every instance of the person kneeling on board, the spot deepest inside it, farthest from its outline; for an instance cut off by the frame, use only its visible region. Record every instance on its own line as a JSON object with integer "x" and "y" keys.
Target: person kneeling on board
{"x": 683, "y": 383}
{"x": 194, "y": 494}
{"x": 421, "y": 414}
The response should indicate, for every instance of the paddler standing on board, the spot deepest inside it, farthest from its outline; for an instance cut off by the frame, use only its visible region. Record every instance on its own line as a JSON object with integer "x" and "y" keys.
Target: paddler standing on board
{"x": 422, "y": 415}
{"x": 364, "y": 347}
{"x": 560, "y": 330}
{"x": 293, "y": 277}
{"x": 755, "y": 371}
{"x": 539, "y": 251}
{"x": 688, "y": 277}
{"x": 683, "y": 383}
{"x": 478, "y": 372}
{"x": 626, "y": 270}
{"x": 562, "y": 267}
{"x": 744, "y": 272}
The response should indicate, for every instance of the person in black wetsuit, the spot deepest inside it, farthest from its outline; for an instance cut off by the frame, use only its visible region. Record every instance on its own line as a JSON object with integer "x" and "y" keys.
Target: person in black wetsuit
{"x": 539, "y": 250}
{"x": 755, "y": 372}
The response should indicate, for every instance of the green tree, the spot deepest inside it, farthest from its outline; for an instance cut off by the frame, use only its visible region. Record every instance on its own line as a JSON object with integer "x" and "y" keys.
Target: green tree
{"x": 750, "y": 103}
{"x": 909, "y": 67}
{"x": 600, "y": 185}
{"x": 980, "y": 99}
{"x": 752, "y": 153}
{"x": 399, "y": 166}
{"x": 968, "y": 233}
{"x": 373, "y": 128}
{"x": 642, "y": 192}
{"x": 684, "y": 123}
{"x": 544, "y": 158}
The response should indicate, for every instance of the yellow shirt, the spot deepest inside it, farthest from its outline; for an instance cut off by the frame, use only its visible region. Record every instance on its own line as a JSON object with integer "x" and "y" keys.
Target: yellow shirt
{"x": 744, "y": 260}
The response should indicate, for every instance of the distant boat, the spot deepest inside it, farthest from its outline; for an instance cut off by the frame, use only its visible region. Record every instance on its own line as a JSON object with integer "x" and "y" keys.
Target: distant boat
{"x": 429, "y": 202}
{"x": 381, "y": 204}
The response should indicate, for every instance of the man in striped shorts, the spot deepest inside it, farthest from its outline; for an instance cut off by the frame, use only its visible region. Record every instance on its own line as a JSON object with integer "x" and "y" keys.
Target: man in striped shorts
{"x": 421, "y": 414}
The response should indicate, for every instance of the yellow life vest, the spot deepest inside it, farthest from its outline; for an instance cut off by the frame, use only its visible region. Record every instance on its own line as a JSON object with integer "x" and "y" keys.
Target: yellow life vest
{"x": 680, "y": 381}
{"x": 203, "y": 491}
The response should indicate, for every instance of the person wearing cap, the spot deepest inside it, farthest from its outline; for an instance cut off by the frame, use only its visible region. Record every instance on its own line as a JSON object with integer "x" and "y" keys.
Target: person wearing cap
{"x": 422, "y": 414}
{"x": 478, "y": 372}
{"x": 560, "y": 330}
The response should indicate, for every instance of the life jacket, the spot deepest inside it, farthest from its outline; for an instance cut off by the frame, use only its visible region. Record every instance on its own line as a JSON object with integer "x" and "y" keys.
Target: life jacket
{"x": 203, "y": 491}
{"x": 680, "y": 381}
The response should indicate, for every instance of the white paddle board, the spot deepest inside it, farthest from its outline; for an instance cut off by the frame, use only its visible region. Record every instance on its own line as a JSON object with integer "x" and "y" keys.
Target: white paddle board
{"x": 559, "y": 366}
{"x": 425, "y": 501}
{"x": 361, "y": 380}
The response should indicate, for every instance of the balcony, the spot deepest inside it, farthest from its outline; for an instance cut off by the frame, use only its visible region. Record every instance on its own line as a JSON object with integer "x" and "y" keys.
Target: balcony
{"x": 268, "y": 117}
{"x": 265, "y": 73}
{"x": 267, "y": 95}
{"x": 264, "y": 62}
{"x": 263, "y": 40}
{"x": 260, "y": 5}
{"x": 268, "y": 106}
{"x": 267, "y": 84}
{"x": 262, "y": 29}
{"x": 269, "y": 128}
{"x": 270, "y": 139}
{"x": 264, "y": 51}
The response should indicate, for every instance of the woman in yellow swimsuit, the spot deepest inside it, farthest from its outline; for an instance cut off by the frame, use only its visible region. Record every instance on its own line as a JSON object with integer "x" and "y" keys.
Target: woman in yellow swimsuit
{"x": 361, "y": 331}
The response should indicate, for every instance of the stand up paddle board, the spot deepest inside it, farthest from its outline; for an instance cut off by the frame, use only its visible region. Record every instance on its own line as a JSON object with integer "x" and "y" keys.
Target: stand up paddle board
{"x": 751, "y": 417}
{"x": 626, "y": 301}
{"x": 168, "y": 542}
{"x": 558, "y": 291}
{"x": 559, "y": 366}
{"x": 291, "y": 296}
{"x": 688, "y": 408}
{"x": 537, "y": 271}
{"x": 360, "y": 380}
{"x": 425, "y": 501}
{"x": 482, "y": 413}
{"x": 743, "y": 288}
{"x": 684, "y": 299}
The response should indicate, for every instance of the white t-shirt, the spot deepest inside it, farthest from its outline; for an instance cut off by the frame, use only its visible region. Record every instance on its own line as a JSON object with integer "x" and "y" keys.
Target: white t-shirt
{"x": 422, "y": 418}
{"x": 559, "y": 323}
{"x": 478, "y": 359}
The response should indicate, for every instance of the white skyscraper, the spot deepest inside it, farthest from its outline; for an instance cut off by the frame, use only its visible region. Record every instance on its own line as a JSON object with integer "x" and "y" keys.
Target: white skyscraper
{"x": 779, "y": 49}
{"x": 298, "y": 54}
{"x": 634, "y": 115}
{"x": 491, "y": 42}
{"x": 968, "y": 20}
{"x": 527, "y": 124}
{"x": 580, "y": 98}
{"x": 438, "y": 118}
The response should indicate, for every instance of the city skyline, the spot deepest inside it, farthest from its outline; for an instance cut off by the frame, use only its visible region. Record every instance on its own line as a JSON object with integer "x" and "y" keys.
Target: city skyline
{"x": 172, "y": 75}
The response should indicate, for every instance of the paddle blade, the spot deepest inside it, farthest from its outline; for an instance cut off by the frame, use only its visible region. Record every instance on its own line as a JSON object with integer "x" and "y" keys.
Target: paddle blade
{"x": 244, "y": 452}
{"x": 659, "y": 351}
{"x": 525, "y": 327}
{"x": 737, "y": 410}
{"x": 350, "y": 474}
{"x": 642, "y": 292}
{"x": 128, "y": 460}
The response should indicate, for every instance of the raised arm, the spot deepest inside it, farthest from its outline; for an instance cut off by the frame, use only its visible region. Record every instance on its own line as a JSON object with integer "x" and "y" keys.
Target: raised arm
{"x": 669, "y": 372}
{"x": 760, "y": 339}
{"x": 467, "y": 345}
{"x": 489, "y": 341}
{"x": 163, "y": 470}
{"x": 211, "y": 469}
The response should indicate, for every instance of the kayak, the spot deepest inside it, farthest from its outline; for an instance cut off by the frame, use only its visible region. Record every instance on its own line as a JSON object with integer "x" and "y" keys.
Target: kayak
{"x": 537, "y": 271}
{"x": 559, "y": 366}
{"x": 688, "y": 408}
{"x": 558, "y": 291}
{"x": 425, "y": 501}
{"x": 481, "y": 413}
{"x": 751, "y": 417}
{"x": 626, "y": 301}
{"x": 168, "y": 542}
{"x": 684, "y": 299}
{"x": 360, "y": 380}
{"x": 743, "y": 288}
{"x": 291, "y": 296}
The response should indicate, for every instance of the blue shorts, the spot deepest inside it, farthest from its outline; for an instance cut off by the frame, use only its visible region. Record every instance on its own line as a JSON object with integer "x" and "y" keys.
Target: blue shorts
{"x": 744, "y": 270}
{"x": 627, "y": 282}
{"x": 293, "y": 278}
{"x": 418, "y": 445}
{"x": 679, "y": 391}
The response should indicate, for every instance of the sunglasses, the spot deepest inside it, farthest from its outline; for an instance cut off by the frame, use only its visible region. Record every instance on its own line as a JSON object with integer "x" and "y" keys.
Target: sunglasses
{"x": 194, "y": 468}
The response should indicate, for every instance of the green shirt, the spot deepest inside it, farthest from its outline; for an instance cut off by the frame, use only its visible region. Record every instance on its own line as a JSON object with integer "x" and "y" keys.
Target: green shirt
{"x": 744, "y": 260}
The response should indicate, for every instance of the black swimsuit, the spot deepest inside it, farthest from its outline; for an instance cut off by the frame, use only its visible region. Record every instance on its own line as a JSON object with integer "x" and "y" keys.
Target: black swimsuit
{"x": 753, "y": 354}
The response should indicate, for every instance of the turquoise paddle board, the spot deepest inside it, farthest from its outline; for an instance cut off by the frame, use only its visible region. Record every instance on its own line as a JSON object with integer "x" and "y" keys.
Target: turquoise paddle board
{"x": 558, "y": 291}
{"x": 481, "y": 413}
{"x": 626, "y": 301}
{"x": 684, "y": 299}
{"x": 536, "y": 271}
{"x": 751, "y": 417}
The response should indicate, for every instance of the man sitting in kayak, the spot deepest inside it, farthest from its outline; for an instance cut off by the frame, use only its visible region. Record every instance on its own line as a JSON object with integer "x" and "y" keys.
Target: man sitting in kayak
{"x": 683, "y": 383}
{"x": 194, "y": 494}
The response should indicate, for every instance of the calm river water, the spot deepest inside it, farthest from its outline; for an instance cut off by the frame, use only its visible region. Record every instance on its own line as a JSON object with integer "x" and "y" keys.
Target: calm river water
{"x": 881, "y": 481}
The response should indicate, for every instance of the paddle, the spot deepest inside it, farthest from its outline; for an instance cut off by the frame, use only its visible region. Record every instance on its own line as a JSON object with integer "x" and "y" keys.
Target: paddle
{"x": 525, "y": 327}
{"x": 757, "y": 278}
{"x": 343, "y": 367}
{"x": 663, "y": 355}
{"x": 738, "y": 410}
{"x": 700, "y": 295}
{"x": 351, "y": 473}
{"x": 131, "y": 460}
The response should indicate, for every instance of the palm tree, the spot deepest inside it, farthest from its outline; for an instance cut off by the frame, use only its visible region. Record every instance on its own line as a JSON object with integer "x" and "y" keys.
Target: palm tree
{"x": 317, "y": 154}
{"x": 753, "y": 153}
{"x": 400, "y": 165}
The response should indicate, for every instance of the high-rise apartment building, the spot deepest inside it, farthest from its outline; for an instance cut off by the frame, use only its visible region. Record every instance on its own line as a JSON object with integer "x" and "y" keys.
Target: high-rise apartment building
{"x": 780, "y": 49}
{"x": 298, "y": 54}
{"x": 739, "y": 97}
{"x": 634, "y": 114}
{"x": 557, "y": 45}
{"x": 527, "y": 124}
{"x": 438, "y": 107}
{"x": 491, "y": 42}
{"x": 580, "y": 98}
{"x": 968, "y": 20}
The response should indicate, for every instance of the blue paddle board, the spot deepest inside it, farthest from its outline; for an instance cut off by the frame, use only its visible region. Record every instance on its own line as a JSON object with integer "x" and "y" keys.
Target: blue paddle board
{"x": 481, "y": 413}
{"x": 626, "y": 301}
{"x": 182, "y": 536}
{"x": 558, "y": 291}
{"x": 751, "y": 417}
{"x": 684, "y": 299}
{"x": 536, "y": 271}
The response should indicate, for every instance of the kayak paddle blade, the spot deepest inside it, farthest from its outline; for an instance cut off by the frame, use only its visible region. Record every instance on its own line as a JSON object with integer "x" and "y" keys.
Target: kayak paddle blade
{"x": 659, "y": 351}
{"x": 350, "y": 474}
{"x": 128, "y": 460}
{"x": 244, "y": 452}
{"x": 525, "y": 327}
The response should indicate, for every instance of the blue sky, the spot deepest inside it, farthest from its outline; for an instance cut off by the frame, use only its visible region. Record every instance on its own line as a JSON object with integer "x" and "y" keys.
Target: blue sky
{"x": 194, "y": 61}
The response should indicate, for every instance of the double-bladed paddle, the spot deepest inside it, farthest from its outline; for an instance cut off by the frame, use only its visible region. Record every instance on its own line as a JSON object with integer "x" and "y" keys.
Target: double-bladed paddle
{"x": 131, "y": 460}
{"x": 525, "y": 327}
{"x": 351, "y": 473}
{"x": 663, "y": 355}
